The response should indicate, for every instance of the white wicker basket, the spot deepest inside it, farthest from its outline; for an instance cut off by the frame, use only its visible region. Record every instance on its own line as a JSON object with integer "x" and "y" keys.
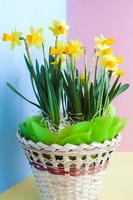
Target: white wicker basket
{"x": 69, "y": 172}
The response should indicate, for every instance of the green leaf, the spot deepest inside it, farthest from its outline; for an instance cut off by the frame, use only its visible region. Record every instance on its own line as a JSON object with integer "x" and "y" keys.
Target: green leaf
{"x": 18, "y": 93}
{"x": 114, "y": 94}
{"x": 95, "y": 74}
{"x": 92, "y": 101}
{"x": 122, "y": 89}
{"x": 53, "y": 105}
{"x": 114, "y": 86}
{"x": 34, "y": 89}
{"x": 37, "y": 67}
{"x": 100, "y": 95}
{"x": 73, "y": 94}
{"x": 30, "y": 67}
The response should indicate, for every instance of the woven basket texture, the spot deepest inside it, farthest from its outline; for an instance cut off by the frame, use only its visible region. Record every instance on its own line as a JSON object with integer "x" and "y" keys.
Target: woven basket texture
{"x": 69, "y": 172}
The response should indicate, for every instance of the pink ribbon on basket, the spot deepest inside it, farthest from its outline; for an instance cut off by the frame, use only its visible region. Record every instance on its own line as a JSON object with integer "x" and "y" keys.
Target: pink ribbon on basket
{"x": 72, "y": 172}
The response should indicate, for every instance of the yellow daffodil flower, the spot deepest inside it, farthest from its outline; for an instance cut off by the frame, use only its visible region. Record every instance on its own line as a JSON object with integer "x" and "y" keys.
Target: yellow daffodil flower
{"x": 6, "y": 37}
{"x": 110, "y": 62}
{"x": 61, "y": 46}
{"x": 82, "y": 76}
{"x": 102, "y": 42}
{"x": 14, "y": 38}
{"x": 59, "y": 28}
{"x": 35, "y": 38}
{"x": 74, "y": 49}
{"x": 119, "y": 60}
{"x": 119, "y": 72}
{"x": 104, "y": 52}
{"x": 59, "y": 49}
{"x": 54, "y": 51}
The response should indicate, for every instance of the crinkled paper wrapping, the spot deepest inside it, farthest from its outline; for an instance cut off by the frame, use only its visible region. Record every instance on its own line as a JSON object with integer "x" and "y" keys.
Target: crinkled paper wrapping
{"x": 96, "y": 130}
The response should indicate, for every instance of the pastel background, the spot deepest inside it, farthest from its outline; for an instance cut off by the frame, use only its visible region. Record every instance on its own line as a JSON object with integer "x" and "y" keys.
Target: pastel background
{"x": 87, "y": 19}
{"x": 20, "y": 14}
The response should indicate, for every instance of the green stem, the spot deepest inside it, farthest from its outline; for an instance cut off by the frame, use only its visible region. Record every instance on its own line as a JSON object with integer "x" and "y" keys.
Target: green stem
{"x": 85, "y": 64}
{"x": 72, "y": 69}
{"x": 100, "y": 99}
{"x": 28, "y": 52}
{"x": 106, "y": 102}
{"x": 29, "y": 57}
{"x": 56, "y": 40}
{"x": 95, "y": 78}
{"x": 43, "y": 52}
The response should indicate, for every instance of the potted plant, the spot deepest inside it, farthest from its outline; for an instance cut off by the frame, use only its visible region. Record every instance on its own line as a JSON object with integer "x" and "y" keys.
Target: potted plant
{"x": 70, "y": 142}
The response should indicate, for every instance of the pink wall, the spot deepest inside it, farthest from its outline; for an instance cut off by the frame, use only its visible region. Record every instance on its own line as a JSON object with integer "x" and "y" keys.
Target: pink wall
{"x": 89, "y": 18}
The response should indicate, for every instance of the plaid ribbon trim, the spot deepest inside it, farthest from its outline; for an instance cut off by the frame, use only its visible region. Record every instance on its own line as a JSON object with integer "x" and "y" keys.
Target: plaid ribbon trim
{"x": 73, "y": 172}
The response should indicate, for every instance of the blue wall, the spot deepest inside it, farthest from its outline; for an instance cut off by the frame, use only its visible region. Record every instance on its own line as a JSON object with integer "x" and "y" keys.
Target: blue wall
{"x": 19, "y": 14}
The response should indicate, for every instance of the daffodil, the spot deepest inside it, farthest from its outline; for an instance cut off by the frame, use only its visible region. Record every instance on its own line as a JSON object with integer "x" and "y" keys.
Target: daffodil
{"x": 35, "y": 38}
{"x": 119, "y": 60}
{"x": 59, "y": 49}
{"x": 119, "y": 72}
{"x": 104, "y": 52}
{"x": 14, "y": 38}
{"x": 110, "y": 62}
{"x": 58, "y": 52}
{"x": 74, "y": 49}
{"x": 59, "y": 28}
{"x": 61, "y": 46}
{"x": 102, "y": 42}
{"x": 82, "y": 76}
{"x": 54, "y": 51}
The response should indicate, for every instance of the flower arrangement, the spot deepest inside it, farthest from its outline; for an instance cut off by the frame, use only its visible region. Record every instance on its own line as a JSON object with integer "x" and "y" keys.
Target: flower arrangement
{"x": 70, "y": 143}
{"x": 75, "y": 107}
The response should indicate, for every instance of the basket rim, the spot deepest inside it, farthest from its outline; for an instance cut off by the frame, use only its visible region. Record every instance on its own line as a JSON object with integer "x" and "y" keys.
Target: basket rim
{"x": 107, "y": 144}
